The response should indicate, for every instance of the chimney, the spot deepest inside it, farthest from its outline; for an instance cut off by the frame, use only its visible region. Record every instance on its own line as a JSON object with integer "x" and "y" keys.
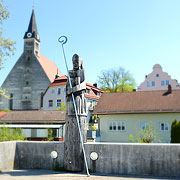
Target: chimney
{"x": 145, "y": 76}
{"x": 95, "y": 84}
{"x": 169, "y": 88}
{"x": 169, "y": 91}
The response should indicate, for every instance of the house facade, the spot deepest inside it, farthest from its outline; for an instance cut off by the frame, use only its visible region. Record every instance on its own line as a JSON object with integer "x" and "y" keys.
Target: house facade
{"x": 30, "y": 76}
{"x": 55, "y": 95}
{"x": 123, "y": 114}
{"x": 158, "y": 80}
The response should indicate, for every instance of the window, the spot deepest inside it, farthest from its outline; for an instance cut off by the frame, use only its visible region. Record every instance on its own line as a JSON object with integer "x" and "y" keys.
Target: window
{"x": 164, "y": 126}
{"x": 11, "y": 102}
{"x": 64, "y": 89}
{"x": 37, "y": 46}
{"x": 29, "y": 43}
{"x": 33, "y": 132}
{"x": 167, "y": 82}
{"x": 153, "y": 83}
{"x": 59, "y": 91}
{"x": 53, "y": 132}
{"x": 42, "y": 99}
{"x": 58, "y": 103}
{"x": 50, "y": 103}
{"x": 52, "y": 91}
{"x": 144, "y": 125}
{"x": 162, "y": 83}
{"x": 117, "y": 126}
{"x": 148, "y": 84}
{"x": 157, "y": 75}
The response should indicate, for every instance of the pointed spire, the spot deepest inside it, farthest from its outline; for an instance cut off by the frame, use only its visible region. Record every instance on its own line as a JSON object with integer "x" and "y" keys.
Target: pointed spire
{"x": 32, "y": 28}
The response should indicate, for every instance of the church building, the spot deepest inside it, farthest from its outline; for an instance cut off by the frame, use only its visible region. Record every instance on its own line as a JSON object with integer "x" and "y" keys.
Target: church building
{"x": 30, "y": 76}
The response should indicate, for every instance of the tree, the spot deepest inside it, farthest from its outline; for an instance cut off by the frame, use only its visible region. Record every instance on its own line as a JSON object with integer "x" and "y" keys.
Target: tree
{"x": 6, "y": 46}
{"x": 62, "y": 107}
{"x": 116, "y": 80}
{"x": 175, "y": 129}
{"x": 148, "y": 135}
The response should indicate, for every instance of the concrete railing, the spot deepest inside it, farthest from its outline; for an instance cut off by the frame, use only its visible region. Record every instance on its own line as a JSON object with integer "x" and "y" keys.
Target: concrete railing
{"x": 116, "y": 158}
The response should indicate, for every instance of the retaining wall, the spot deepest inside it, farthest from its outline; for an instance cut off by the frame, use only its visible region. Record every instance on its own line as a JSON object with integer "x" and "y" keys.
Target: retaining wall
{"x": 115, "y": 158}
{"x": 7, "y": 155}
{"x": 135, "y": 159}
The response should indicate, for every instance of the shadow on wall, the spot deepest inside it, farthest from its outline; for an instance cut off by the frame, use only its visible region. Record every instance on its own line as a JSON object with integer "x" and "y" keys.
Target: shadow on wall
{"x": 30, "y": 155}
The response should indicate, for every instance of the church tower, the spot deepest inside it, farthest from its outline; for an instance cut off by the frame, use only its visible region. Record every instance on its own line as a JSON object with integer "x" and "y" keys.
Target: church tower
{"x": 30, "y": 76}
{"x": 31, "y": 38}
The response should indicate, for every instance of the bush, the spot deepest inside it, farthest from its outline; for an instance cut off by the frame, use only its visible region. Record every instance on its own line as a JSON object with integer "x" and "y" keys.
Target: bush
{"x": 148, "y": 135}
{"x": 11, "y": 134}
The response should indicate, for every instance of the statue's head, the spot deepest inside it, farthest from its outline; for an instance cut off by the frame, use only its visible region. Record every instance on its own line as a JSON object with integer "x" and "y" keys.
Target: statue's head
{"x": 77, "y": 62}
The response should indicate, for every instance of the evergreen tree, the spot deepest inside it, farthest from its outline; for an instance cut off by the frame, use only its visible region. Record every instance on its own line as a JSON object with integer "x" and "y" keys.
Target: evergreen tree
{"x": 175, "y": 132}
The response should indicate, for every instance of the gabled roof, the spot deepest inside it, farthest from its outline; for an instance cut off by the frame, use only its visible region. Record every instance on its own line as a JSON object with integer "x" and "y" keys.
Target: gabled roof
{"x": 62, "y": 80}
{"x": 33, "y": 117}
{"x": 138, "y": 102}
{"x": 49, "y": 67}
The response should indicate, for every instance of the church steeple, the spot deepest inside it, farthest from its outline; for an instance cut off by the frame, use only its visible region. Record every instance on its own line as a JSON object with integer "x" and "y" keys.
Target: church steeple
{"x": 31, "y": 38}
{"x": 32, "y": 28}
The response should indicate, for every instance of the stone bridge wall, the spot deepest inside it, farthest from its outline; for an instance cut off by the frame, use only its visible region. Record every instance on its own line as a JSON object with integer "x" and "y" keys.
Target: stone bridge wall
{"x": 114, "y": 158}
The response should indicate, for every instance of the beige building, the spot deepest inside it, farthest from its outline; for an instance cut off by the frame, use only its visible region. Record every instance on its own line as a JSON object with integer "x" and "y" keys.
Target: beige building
{"x": 158, "y": 80}
{"x": 122, "y": 114}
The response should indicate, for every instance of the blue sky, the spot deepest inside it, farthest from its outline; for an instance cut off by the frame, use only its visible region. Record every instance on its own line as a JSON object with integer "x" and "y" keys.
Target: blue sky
{"x": 133, "y": 34}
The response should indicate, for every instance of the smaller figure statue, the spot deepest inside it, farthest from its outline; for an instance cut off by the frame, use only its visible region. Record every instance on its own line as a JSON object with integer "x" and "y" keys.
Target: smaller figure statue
{"x": 77, "y": 77}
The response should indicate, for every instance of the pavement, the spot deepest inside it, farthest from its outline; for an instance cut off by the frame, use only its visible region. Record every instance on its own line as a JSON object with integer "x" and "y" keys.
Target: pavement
{"x": 54, "y": 175}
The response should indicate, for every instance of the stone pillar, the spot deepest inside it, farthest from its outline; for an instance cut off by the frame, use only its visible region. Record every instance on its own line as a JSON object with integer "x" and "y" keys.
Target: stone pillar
{"x": 73, "y": 154}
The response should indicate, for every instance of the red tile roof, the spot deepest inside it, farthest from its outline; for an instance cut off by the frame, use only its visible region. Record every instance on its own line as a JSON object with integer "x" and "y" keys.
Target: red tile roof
{"x": 2, "y": 113}
{"x": 91, "y": 96}
{"x": 33, "y": 117}
{"x": 49, "y": 67}
{"x": 62, "y": 80}
{"x": 138, "y": 102}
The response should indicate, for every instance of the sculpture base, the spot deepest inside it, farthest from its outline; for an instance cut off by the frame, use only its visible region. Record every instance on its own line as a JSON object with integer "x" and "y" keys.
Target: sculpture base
{"x": 73, "y": 153}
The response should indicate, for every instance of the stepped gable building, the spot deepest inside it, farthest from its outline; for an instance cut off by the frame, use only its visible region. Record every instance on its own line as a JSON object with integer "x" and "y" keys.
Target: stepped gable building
{"x": 30, "y": 76}
{"x": 158, "y": 80}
